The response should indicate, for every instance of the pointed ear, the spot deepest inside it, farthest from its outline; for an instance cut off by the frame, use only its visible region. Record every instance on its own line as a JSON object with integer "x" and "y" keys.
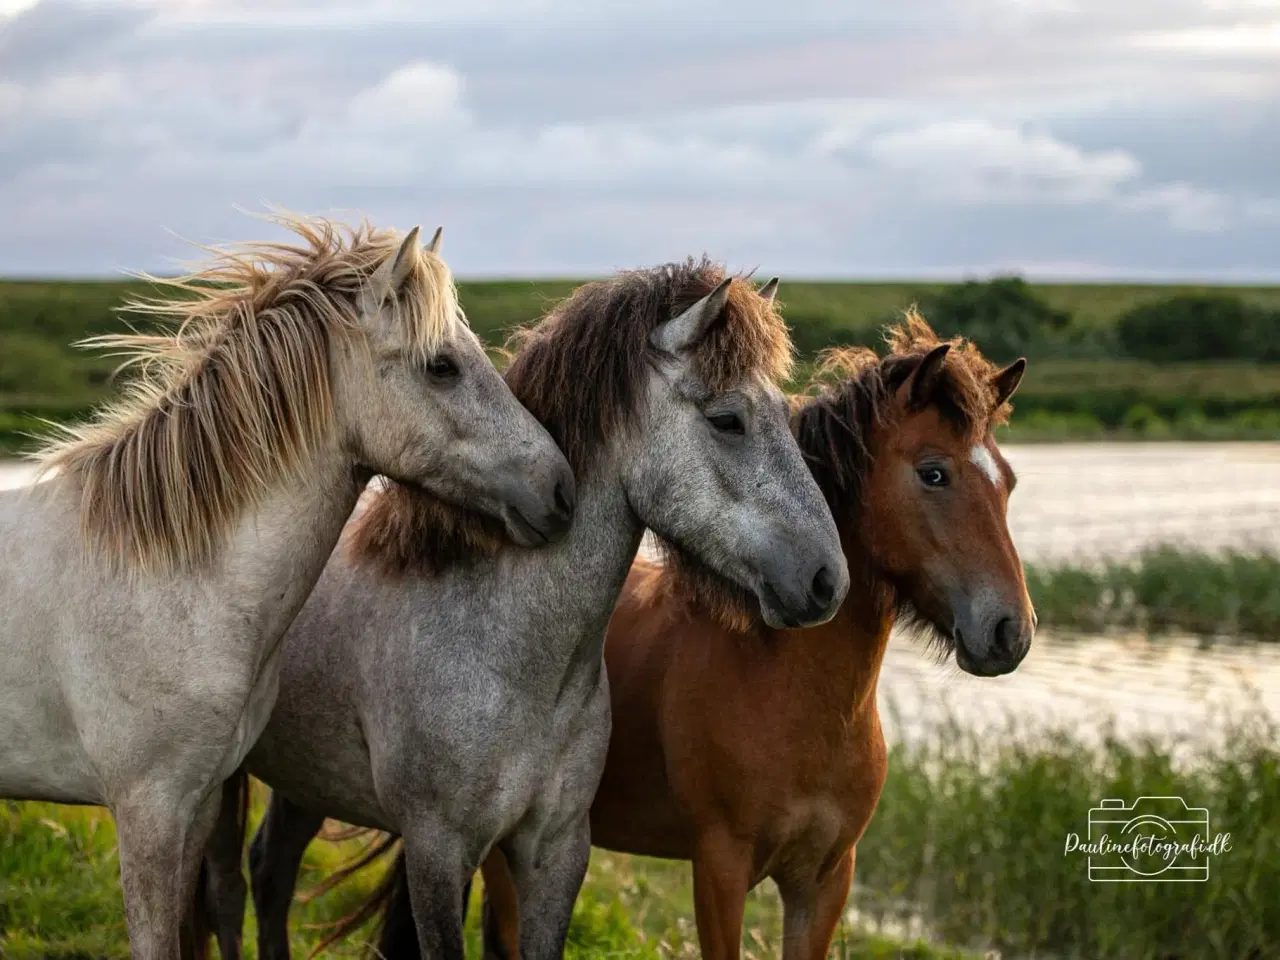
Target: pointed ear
{"x": 770, "y": 290}
{"x": 687, "y": 330}
{"x": 920, "y": 388}
{"x": 434, "y": 245}
{"x": 1006, "y": 381}
{"x": 390, "y": 277}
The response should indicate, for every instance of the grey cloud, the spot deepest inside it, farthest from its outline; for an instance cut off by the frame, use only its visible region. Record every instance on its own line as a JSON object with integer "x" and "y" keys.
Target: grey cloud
{"x": 932, "y": 136}
{"x": 59, "y": 34}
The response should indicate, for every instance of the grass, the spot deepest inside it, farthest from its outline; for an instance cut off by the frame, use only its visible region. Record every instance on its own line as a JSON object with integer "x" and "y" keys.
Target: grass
{"x": 970, "y": 834}
{"x": 967, "y": 843}
{"x": 60, "y": 898}
{"x": 1164, "y": 589}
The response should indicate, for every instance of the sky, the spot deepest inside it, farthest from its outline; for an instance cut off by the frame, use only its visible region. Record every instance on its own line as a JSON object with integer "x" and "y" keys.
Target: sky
{"x": 1059, "y": 139}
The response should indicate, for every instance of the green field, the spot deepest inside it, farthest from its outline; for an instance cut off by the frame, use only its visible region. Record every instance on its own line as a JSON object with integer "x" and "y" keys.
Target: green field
{"x": 966, "y": 848}
{"x": 1078, "y": 387}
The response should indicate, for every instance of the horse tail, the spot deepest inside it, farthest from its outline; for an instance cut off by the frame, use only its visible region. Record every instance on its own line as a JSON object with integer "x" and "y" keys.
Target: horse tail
{"x": 380, "y": 903}
{"x": 389, "y": 904}
{"x": 202, "y": 921}
{"x": 398, "y": 936}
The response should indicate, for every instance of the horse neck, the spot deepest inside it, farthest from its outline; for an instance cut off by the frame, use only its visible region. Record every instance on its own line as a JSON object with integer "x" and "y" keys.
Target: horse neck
{"x": 840, "y": 660}
{"x": 279, "y": 547}
{"x": 566, "y": 592}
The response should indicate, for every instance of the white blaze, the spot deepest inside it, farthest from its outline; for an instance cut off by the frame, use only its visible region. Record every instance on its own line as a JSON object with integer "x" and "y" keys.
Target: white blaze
{"x": 982, "y": 458}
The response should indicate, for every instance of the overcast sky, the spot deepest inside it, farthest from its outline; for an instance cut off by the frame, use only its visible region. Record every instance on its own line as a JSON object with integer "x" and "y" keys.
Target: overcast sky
{"x": 840, "y": 138}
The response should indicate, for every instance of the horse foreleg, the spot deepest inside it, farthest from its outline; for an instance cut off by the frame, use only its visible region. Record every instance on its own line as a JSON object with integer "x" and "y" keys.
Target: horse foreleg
{"x": 160, "y": 843}
{"x": 274, "y": 858}
{"x": 438, "y": 869}
{"x": 547, "y": 884}
{"x": 501, "y": 909}
{"x": 721, "y": 880}
{"x": 811, "y": 912}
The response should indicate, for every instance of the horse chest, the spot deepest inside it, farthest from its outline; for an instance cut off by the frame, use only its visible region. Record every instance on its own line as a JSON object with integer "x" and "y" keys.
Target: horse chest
{"x": 550, "y": 776}
{"x": 804, "y": 837}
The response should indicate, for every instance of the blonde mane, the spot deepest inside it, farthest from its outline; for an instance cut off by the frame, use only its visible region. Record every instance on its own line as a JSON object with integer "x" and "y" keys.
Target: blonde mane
{"x": 234, "y": 392}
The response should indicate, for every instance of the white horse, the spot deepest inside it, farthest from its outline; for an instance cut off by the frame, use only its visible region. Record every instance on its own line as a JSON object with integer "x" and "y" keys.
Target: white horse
{"x": 145, "y": 587}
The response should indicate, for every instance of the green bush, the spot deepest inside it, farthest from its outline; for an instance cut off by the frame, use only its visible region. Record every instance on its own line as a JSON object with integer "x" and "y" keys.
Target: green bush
{"x": 1004, "y": 316}
{"x": 30, "y": 364}
{"x": 1191, "y": 328}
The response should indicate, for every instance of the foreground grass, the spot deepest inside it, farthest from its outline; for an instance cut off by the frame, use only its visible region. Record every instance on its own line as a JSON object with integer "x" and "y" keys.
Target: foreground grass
{"x": 967, "y": 846}
{"x": 60, "y": 898}
{"x": 970, "y": 835}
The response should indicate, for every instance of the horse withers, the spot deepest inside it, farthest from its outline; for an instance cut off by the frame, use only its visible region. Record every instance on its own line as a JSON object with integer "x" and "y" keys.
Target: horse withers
{"x": 756, "y": 752}
{"x": 144, "y": 586}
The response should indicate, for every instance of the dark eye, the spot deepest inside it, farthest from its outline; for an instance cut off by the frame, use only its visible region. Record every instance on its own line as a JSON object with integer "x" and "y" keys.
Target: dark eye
{"x": 442, "y": 367}
{"x": 933, "y": 476}
{"x": 727, "y": 423}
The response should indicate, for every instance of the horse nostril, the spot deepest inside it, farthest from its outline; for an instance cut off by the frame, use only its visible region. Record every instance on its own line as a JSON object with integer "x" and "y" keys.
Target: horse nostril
{"x": 1008, "y": 635}
{"x": 824, "y": 586}
{"x": 563, "y": 499}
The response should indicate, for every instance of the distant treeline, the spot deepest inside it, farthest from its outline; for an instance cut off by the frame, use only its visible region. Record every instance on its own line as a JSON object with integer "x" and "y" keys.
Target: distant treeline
{"x": 1008, "y": 317}
{"x": 1108, "y": 360}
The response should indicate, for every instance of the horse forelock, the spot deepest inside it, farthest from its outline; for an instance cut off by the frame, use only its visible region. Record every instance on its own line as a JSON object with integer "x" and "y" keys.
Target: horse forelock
{"x": 233, "y": 393}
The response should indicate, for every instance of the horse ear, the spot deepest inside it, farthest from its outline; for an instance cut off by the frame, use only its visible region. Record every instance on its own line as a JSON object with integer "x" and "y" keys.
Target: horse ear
{"x": 770, "y": 290}
{"x": 434, "y": 245}
{"x": 687, "y": 330}
{"x": 390, "y": 277}
{"x": 920, "y": 387}
{"x": 1006, "y": 381}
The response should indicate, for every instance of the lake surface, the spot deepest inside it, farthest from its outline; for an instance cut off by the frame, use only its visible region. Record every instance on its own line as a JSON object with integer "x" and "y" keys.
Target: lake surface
{"x": 1082, "y": 501}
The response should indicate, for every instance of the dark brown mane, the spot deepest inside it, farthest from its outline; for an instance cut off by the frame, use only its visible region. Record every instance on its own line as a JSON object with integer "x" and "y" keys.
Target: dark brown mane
{"x": 849, "y": 397}
{"x": 581, "y": 371}
{"x": 405, "y": 530}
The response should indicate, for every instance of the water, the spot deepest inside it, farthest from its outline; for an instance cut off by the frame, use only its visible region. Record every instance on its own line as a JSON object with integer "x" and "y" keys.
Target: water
{"x": 15, "y": 474}
{"x": 1081, "y": 501}
{"x": 1170, "y": 688}
{"x": 1076, "y": 501}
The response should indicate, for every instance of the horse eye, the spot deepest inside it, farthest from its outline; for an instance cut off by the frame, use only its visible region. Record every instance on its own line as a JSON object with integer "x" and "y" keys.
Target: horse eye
{"x": 933, "y": 476}
{"x": 727, "y": 423}
{"x": 442, "y": 366}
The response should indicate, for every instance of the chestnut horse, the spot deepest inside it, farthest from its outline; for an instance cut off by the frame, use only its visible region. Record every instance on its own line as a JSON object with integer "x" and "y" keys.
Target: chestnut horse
{"x": 757, "y": 752}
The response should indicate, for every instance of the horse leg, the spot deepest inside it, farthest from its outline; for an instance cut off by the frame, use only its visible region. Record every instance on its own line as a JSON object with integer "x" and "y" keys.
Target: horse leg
{"x": 274, "y": 858}
{"x": 160, "y": 843}
{"x": 438, "y": 868}
{"x": 223, "y": 862}
{"x": 721, "y": 880}
{"x": 547, "y": 885}
{"x": 811, "y": 912}
{"x": 501, "y": 919}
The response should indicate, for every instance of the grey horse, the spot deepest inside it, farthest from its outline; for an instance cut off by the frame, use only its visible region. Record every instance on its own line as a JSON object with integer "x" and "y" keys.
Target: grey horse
{"x": 145, "y": 585}
{"x": 460, "y": 701}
